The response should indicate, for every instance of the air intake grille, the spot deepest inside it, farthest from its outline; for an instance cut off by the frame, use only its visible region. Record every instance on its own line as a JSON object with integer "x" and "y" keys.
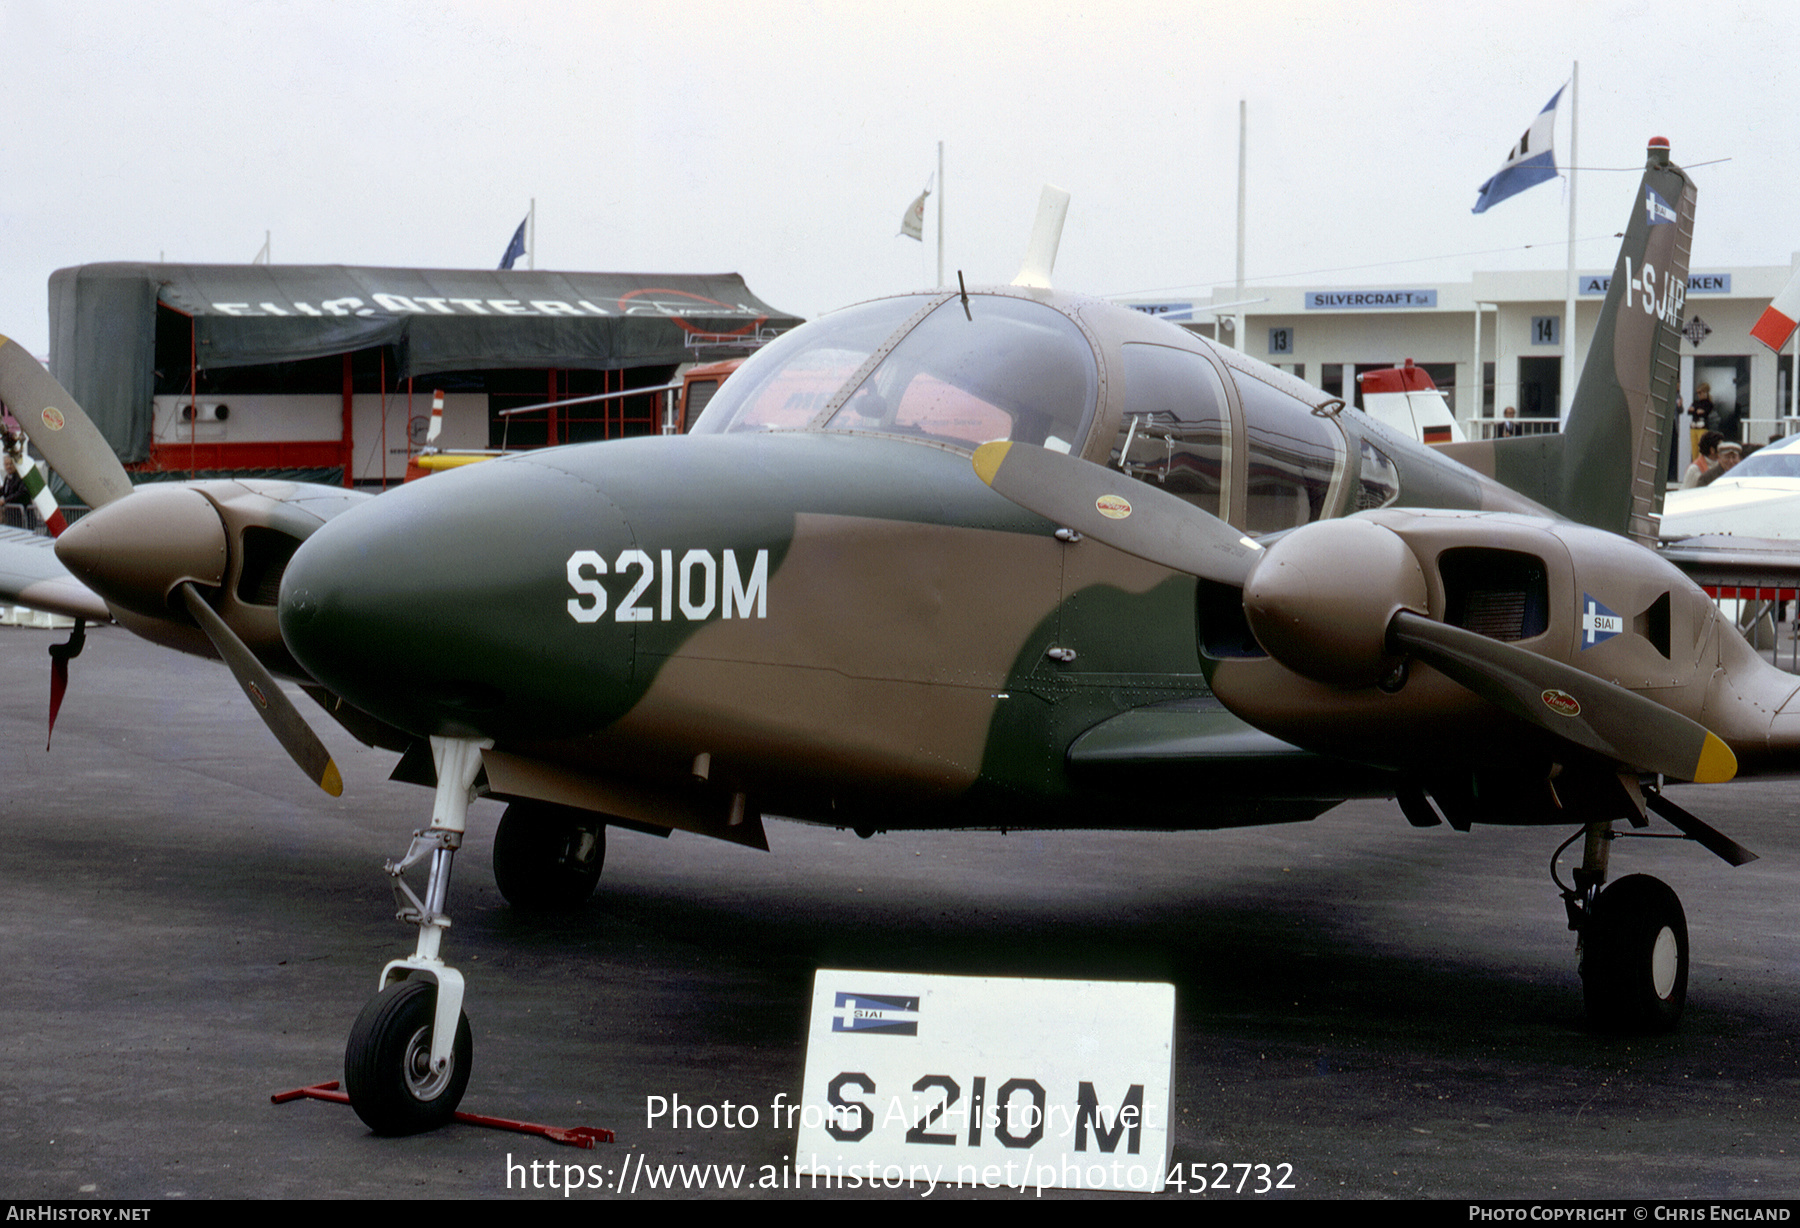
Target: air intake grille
{"x": 1501, "y": 594}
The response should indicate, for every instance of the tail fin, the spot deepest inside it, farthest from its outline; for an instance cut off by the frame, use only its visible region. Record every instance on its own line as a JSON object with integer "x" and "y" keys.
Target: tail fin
{"x": 1607, "y": 467}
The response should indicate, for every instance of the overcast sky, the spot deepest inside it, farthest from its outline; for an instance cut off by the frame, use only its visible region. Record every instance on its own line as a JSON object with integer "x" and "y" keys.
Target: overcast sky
{"x": 783, "y": 140}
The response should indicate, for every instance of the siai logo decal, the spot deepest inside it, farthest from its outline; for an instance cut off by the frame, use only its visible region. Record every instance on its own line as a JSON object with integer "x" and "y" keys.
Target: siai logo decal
{"x": 1656, "y": 210}
{"x": 1598, "y": 624}
{"x": 1113, "y": 507}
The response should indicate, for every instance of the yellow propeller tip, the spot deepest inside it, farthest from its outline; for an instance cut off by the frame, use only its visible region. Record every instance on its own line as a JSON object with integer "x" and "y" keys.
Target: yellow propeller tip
{"x": 332, "y": 783}
{"x": 988, "y": 458}
{"x": 1717, "y": 764}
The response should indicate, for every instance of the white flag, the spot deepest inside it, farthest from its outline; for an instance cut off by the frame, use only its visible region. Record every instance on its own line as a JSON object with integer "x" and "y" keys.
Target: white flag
{"x": 913, "y": 224}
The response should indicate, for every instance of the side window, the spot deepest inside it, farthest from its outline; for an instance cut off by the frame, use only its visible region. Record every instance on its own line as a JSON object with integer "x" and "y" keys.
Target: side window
{"x": 1294, "y": 454}
{"x": 1380, "y": 482}
{"x": 1175, "y": 432}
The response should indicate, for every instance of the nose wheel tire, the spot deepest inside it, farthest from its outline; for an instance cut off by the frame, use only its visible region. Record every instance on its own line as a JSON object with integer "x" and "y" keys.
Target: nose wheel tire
{"x": 548, "y": 858}
{"x": 387, "y": 1064}
{"x": 1634, "y": 957}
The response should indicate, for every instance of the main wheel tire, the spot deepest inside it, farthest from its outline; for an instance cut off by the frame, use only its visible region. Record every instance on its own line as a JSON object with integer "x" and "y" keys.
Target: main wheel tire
{"x": 387, "y": 1063}
{"x": 1634, "y": 957}
{"x": 548, "y": 858}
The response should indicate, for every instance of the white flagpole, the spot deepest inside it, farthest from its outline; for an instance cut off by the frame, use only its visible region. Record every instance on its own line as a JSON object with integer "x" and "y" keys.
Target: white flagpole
{"x": 1243, "y": 134}
{"x": 940, "y": 217}
{"x": 1568, "y": 362}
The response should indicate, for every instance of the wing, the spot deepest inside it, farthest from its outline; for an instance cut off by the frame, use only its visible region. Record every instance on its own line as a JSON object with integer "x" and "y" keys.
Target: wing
{"x": 1159, "y": 746}
{"x": 31, "y": 575}
{"x": 1722, "y": 560}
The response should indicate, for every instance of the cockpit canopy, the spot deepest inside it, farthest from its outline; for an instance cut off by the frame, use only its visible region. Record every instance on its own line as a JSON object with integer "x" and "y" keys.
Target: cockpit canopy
{"x": 1008, "y": 368}
{"x": 1240, "y": 440}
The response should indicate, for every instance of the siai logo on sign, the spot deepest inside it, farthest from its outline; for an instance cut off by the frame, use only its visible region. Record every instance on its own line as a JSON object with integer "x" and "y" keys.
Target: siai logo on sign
{"x": 888, "y": 1014}
{"x": 1598, "y": 624}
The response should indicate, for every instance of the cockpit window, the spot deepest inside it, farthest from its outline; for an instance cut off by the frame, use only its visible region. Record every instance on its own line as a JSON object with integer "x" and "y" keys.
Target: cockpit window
{"x": 1007, "y": 369}
{"x": 1294, "y": 455}
{"x": 1175, "y": 435}
{"x": 784, "y": 385}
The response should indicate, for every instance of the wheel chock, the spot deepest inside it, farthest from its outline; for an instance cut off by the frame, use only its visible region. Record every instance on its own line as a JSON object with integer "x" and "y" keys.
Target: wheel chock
{"x": 579, "y": 1136}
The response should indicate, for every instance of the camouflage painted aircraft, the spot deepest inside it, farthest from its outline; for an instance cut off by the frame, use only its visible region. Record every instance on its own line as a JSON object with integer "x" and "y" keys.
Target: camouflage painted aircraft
{"x": 1229, "y": 604}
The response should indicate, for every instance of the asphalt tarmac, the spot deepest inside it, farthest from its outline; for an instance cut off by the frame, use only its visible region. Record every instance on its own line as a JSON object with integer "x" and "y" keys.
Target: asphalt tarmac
{"x": 187, "y": 926}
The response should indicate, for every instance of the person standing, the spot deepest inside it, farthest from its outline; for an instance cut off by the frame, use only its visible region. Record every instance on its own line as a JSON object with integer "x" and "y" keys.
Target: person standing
{"x": 1705, "y": 459}
{"x": 1509, "y": 425}
{"x": 13, "y": 494}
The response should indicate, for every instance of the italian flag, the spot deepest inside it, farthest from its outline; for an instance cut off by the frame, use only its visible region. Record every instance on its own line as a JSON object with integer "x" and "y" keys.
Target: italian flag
{"x": 41, "y": 498}
{"x": 1776, "y": 324}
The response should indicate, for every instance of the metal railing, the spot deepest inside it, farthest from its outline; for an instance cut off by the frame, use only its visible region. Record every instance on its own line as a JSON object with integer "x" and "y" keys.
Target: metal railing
{"x": 1489, "y": 428}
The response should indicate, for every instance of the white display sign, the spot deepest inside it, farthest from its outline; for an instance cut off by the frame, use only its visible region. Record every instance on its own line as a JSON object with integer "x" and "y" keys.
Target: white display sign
{"x": 986, "y": 1081}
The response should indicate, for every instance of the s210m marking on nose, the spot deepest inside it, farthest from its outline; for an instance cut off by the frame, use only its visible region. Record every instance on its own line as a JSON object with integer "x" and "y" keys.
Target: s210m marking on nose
{"x": 695, "y": 586}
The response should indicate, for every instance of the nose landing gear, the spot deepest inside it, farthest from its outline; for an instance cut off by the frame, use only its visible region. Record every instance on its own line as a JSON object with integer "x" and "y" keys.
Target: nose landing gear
{"x": 408, "y": 1058}
{"x": 388, "y": 1072}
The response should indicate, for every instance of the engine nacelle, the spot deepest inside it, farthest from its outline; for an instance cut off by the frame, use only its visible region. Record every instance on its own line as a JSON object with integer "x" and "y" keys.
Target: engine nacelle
{"x": 1582, "y": 596}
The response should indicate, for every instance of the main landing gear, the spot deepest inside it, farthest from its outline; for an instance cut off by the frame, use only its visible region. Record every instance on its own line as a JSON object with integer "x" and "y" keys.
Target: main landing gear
{"x": 408, "y": 1058}
{"x": 1633, "y": 942}
{"x": 1634, "y": 936}
{"x": 547, "y": 858}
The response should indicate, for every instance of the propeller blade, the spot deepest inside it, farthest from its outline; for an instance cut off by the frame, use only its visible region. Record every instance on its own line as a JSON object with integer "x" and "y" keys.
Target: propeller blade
{"x": 1588, "y": 711}
{"x": 1118, "y": 511}
{"x": 289, "y": 728}
{"x": 59, "y": 428}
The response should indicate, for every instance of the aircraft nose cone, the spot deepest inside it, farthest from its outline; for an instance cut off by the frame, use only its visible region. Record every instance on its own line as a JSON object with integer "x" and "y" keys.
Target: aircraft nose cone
{"x": 443, "y": 607}
{"x": 135, "y": 550}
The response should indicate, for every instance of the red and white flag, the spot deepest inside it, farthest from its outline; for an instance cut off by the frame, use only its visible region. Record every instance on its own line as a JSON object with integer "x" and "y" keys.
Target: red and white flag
{"x": 1776, "y": 323}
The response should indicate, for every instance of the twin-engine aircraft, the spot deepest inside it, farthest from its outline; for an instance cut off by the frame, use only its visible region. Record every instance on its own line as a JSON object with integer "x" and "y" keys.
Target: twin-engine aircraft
{"x": 1196, "y": 595}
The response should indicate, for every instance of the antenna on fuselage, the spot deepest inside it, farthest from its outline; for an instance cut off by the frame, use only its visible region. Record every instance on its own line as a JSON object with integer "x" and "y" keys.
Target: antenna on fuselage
{"x": 1046, "y": 235}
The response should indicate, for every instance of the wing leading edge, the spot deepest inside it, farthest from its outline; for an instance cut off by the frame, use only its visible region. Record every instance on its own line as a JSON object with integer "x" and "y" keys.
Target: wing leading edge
{"x": 31, "y": 575}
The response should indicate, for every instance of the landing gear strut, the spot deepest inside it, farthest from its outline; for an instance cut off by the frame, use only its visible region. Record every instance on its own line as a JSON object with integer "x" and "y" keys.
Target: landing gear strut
{"x": 1633, "y": 944}
{"x": 408, "y": 1057}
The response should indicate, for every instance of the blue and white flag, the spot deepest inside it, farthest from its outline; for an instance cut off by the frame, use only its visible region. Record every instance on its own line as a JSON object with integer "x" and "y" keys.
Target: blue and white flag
{"x": 516, "y": 248}
{"x": 1656, "y": 210}
{"x": 1531, "y": 162}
